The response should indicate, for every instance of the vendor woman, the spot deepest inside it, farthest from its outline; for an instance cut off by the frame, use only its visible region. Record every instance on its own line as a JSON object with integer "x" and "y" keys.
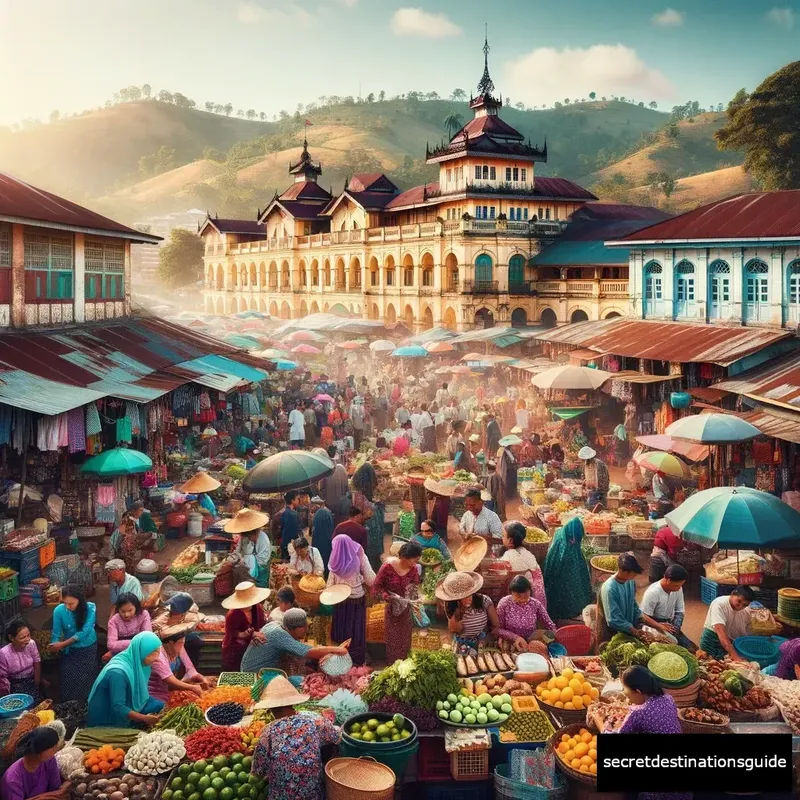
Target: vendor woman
{"x": 253, "y": 552}
{"x": 471, "y": 616}
{"x": 304, "y": 559}
{"x": 180, "y": 609}
{"x": 727, "y": 618}
{"x": 427, "y": 538}
{"x": 128, "y": 620}
{"x": 120, "y": 696}
{"x": 20, "y": 663}
{"x": 243, "y": 622}
{"x": 75, "y": 641}
{"x": 36, "y": 772}
{"x": 521, "y": 616}
{"x": 173, "y": 670}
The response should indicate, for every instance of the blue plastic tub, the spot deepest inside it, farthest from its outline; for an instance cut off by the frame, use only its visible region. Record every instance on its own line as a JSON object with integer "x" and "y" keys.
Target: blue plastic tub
{"x": 9, "y": 704}
{"x": 763, "y": 649}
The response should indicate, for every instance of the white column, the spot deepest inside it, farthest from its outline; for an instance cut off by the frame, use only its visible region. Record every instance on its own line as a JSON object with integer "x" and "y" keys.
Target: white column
{"x": 777, "y": 280}
{"x": 737, "y": 285}
{"x": 80, "y": 277}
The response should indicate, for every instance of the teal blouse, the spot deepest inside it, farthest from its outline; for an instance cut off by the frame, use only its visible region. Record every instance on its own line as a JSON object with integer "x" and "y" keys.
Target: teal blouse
{"x": 64, "y": 627}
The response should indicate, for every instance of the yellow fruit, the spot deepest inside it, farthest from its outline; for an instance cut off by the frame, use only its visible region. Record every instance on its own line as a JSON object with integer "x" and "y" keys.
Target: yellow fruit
{"x": 576, "y": 685}
{"x": 568, "y": 673}
{"x": 561, "y": 683}
{"x": 583, "y": 768}
{"x": 566, "y": 695}
{"x": 569, "y": 706}
{"x": 577, "y": 702}
{"x": 586, "y": 737}
{"x": 565, "y": 737}
{"x": 580, "y": 676}
{"x": 563, "y": 747}
{"x": 581, "y": 750}
{"x": 559, "y": 704}
{"x": 593, "y": 769}
{"x": 587, "y": 690}
{"x": 592, "y": 754}
{"x": 575, "y": 763}
{"x": 572, "y": 743}
{"x": 569, "y": 756}
{"x": 595, "y": 693}
{"x": 551, "y": 684}
{"x": 582, "y": 731}
{"x": 586, "y": 761}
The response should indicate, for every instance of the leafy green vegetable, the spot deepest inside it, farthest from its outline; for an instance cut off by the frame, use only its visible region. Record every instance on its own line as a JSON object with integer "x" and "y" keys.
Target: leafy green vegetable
{"x": 622, "y": 651}
{"x": 421, "y": 680}
{"x": 664, "y": 647}
{"x": 432, "y": 577}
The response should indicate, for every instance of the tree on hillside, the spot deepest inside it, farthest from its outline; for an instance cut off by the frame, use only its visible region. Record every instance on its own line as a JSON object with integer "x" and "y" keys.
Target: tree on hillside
{"x": 458, "y": 95}
{"x": 228, "y": 109}
{"x": 180, "y": 260}
{"x": 358, "y": 159}
{"x": 147, "y": 91}
{"x": 371, "y": 97}
{"x": 134, "y": 94}
{"x": 251, "y": 113}
{"x": 765, "y": 125}
{"x": 162, "y": 160}
{"x": 566, "y": 101}
{"x": 209, "y": 106}
{"x": 592, "y": 95}
{"x": 662, "y": 181}
{"x": 262, "y": 116}
{"x": 163, "y": 96}
{"x": 453, "y": 123}
{"x": 283, "y": 114}
{"x": 520, "y": 106}
{"x": 558, "y": 105}
{"x": 653, "y": 104}
{"x": 432, "y": 96}
{"x": 55, "y": 115}
{"x": 381, "y": 96}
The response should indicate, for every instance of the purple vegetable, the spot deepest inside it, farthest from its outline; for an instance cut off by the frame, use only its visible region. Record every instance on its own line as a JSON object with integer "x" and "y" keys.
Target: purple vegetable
{"x": 423, "y": 719}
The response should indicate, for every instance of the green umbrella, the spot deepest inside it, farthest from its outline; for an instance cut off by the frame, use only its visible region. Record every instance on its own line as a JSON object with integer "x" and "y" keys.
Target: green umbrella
{"x": 736, "y": 518}
{"x": 119, "y": 461}
{"x": 570, "y": 412}
{"x": 292, "y": 469}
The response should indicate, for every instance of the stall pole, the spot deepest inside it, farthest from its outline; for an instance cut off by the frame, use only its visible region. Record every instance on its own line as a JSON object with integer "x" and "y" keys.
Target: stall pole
{"x": 22, "y": 483}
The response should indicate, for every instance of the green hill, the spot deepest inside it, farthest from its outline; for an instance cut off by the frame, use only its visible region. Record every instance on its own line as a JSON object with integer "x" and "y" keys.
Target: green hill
{"x": 111, "y": 157}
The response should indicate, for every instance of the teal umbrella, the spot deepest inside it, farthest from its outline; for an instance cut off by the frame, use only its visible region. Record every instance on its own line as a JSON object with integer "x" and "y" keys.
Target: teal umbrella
{"x": 411, "y": 351}
{"x": 734, "y": 518}
{"x": 119, "y": 461}
{"x": 712, "y": 429}
{"x": 291, "y": 469}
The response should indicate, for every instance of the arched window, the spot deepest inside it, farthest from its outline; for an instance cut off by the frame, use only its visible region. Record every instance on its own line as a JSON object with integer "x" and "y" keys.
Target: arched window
{"x": 485, "y": 172}
{"x": 684, "y": 288}
{"x": 719, "y": 289}
{"x": 519, "y": 318}
{"x": 483, "y": 270}
{"x": 653, "y": 288}
{"x": 793, "y": 280}
{"x": 516, "y": 271}
{"x": 548, "y": 318}
{"x": 756, "y": 291}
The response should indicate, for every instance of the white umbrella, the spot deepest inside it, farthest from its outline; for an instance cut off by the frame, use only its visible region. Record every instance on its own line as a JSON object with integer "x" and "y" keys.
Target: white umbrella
{"x": 382, "y": 346}
{"x": 569, "y": 377}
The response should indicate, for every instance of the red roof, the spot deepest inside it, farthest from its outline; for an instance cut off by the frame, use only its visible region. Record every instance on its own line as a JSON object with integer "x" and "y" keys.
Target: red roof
{"x": 561, "y": 187}
{"x": 370, "y": 182}
{"x": 19, "y": 201}
{"x": 490, "y": 125}
{"x": 300, "y": 210}
{"x": 755, "y": 215}
{"x": 413, "y": 196}
{"x": 305, "y": 190}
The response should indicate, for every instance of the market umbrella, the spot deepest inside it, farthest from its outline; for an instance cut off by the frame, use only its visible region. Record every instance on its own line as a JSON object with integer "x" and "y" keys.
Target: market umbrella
{"x": 473, "y": 357}
{"x": 460, "y": 369}
{"x": 569, "y": 377}
{"x": 382, "y": 346}
{"x": 736, "y": 517}
{"x": 291, "y": 469}
{"x": 713, "y": 429}
{"x": 351, "y": 345}
{"x": 324, "y": 398}
{"x": 284, "y": 365}
{"x": 660, "y": 441}
{"x": 665, "y": 464}
{"x": 304, "y": 336}
{"x": 273, "y": 352}
{"x": 439, "y": 347}
{"x": 511, "y": 439}
{"x": 118, "y": 461}
{"x": 569, "y": 412}
{"x": 307, "y": 349}
{"x": 412, "y": 351}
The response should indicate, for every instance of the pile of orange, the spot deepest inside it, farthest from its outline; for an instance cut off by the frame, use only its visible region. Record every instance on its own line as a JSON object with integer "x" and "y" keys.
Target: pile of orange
{"x": 104, "y": 759}
{"x": 225, "y": 694}
{"x": 579, "y": 751}
{"x": 569, "y": 690}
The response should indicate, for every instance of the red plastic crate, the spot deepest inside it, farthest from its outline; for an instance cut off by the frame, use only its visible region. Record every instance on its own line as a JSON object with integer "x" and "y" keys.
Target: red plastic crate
{"x": 469, "y": 765}
{"x": 433, "y": 761}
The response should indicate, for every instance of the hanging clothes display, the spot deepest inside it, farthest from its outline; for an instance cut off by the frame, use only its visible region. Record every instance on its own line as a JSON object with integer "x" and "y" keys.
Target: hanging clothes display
{"x": 76, "y": 426}
{"x": 124, "y": 433}
{"x": 93, "y": 424}
{"x": 105, "y": 503}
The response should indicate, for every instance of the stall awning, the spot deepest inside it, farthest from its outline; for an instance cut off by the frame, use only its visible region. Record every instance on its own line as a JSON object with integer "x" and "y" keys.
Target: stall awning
{"x": 639, "y": 377}
{"x": 773, "y": 422}
{"x": 775, "y": 383}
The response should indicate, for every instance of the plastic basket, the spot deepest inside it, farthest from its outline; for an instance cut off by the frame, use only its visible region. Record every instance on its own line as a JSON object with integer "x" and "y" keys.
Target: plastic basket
{"x": 9, "y": 587}
{"x": 433, "y": 761}
{"x": 25, "y": 563}
{"x": 47, "y": 553}
{"x": 762, "y": 649}
{"x": 9, "y": 610}
{"x": 577, "y": 639}
{"x": 237, "y": 679}
{"x": 507, "y": 789}
{"x": 711, "y": 590}
{"x": 469, "y": 765}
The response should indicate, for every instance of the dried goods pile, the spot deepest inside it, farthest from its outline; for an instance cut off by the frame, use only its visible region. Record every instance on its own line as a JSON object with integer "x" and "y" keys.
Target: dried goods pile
{"x": 725, "y": 690}
{"x": 702, "y": 715}
{"x": 787, "y": 695}
{"x": 155, "y": 753}
{"x": 485, "y": 661}
{"x": 494, "y": 685}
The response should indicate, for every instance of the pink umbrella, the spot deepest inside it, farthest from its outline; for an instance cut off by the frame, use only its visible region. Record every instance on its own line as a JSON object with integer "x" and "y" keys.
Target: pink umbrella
{"x": 350, "y": 345}
{"x": 660, "y": 441}
{"x": 304, "y": 336}
{"x": 461, "y": 370}
{"x": 324, "y": 398}
{"x": 438, "y": 347}
{"x": 307, "y": 349}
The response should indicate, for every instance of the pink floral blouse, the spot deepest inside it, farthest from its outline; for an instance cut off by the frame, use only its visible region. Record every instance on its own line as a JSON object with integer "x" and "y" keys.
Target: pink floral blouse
{"x": 522, "y": 619}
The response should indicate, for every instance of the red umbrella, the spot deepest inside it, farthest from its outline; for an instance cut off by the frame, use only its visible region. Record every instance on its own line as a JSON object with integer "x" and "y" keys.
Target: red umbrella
{"x": 307, "y": 349}
{"x": 304, "y": 336}
{"x": 438, "y": 347}
{"x": 350, "y": 345}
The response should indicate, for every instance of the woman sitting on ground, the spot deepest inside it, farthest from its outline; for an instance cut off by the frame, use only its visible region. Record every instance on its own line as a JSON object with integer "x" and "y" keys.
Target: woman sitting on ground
{"x": 35, "y": 774}
{"x": 521, "y": 616}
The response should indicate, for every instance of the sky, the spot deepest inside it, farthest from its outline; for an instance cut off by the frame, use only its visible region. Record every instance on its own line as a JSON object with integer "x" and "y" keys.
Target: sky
{"x": 273, "y": 54}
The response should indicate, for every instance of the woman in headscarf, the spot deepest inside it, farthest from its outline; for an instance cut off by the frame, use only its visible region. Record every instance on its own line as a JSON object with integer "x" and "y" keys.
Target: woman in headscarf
{"x": 120, "y": 697}
{"x": 567, "y": 582}
{"x": 365, "y": 480}
{"x": 350, "y": 566}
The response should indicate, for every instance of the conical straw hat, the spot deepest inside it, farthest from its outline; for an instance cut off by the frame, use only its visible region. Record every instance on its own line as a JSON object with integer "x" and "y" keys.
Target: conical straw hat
{"x": 246, "y": 595}
{"x": 470, "y": 554}
{"x": 246, "y": 520}
{"x": 201, "y": 482}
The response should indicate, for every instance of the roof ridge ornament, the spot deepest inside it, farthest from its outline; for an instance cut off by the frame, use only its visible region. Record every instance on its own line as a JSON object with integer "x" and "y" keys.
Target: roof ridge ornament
{"x": 485, "y": 85}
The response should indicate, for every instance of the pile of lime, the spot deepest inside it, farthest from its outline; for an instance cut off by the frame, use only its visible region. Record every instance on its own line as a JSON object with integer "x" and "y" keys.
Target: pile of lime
{"x": 221, "y": 778}
{"x": 470, "y": 709}
{"x": 374, "y": 730}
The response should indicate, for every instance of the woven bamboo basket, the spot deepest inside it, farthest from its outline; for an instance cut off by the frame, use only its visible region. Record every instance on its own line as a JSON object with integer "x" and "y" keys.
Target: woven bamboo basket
{"x": 685, "y": 697}
{"x": 598, "y": 573}
{"x": 687, "y": 726}
{"x": 564, "y": 716}
{"x": 539, "y": 550}
{"x": 376, "y": 628}
{"x": 565, "y": 769}
{"x": 358, "y": 779}
{"x": 306, "y": 600}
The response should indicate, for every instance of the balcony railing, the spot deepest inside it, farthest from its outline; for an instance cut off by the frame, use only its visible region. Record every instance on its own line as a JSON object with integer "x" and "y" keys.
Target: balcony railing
{"x": 613, "y": 287}
{"x": 481, "y": 287}
{"x": 521, "y": 287}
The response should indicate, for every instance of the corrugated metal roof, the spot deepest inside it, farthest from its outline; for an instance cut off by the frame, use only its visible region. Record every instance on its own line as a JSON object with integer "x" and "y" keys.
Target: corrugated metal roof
{"x": 568, "y": 254}
{"x": 665, "y": 341}
{"x": 134, "y": 359}
{"x": 755, "y": 215}
{"x": 21, "y": 202}
{"x": 777, "y": 381}
{"x": 779, "y": 424}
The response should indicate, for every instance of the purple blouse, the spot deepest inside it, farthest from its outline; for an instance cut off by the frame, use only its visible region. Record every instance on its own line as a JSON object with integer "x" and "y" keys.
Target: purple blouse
{"x": 18, "y": 783}
{"x": 657, "y": 715}
{"x": 522, "y": 620}
{"x": 121, "y": 632}
{"x": 16, "y": 664}
{"x": 790, "y": 658}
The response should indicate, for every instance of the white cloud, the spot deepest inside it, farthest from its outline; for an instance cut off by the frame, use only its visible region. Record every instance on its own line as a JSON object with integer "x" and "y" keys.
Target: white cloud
{"x": 349, "y": 3}
{"x": 547, "y": 75}
{"x": 669, "y": 18}
{"x": 255, "y": 13}
{"x": 783, "y": 17}
{"x": 417, "y": 22}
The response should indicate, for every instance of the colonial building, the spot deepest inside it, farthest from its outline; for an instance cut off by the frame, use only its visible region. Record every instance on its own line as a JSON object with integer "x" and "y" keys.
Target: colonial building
{"x": 60, "y": 263}
{"x": 733, "y": 262}
{"x": 456, "y": 252}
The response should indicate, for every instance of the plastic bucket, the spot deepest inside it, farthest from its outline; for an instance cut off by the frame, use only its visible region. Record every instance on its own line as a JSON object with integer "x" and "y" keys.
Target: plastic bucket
{"x": 397, "y": 759}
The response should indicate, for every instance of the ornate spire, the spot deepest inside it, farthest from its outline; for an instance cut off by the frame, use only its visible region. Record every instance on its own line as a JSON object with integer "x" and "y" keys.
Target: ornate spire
{"x": 485, "y": 85}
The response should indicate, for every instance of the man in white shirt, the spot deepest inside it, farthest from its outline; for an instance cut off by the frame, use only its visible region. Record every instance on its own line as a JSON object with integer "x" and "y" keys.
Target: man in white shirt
{"x": 663, "y": 601}
{"x": 442, "y": 396}
{"x": 297, "y": 431}
{"x": 726, "y": 620}
{"x": 479, "y": 520}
